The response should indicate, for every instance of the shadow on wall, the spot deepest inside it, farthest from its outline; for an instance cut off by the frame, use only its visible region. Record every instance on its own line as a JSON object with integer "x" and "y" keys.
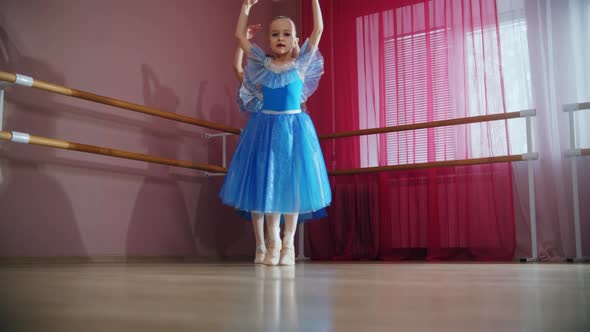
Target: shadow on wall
{"x": 219, "y": 232}
{"x": 160, "y": 222}
{"x": 37, "y": 217}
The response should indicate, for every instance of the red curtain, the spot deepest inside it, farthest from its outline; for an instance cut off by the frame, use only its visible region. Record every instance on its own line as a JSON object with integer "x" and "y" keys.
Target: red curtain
{"x": 401, "y": 62}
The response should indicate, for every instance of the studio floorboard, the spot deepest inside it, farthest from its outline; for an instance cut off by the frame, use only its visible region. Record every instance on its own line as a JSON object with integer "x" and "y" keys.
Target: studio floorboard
{"x": 310, "y": 297}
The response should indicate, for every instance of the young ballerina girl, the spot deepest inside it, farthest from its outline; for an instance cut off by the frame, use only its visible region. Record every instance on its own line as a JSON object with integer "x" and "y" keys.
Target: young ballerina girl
{"x": 278, "y": 167}
{"x": 257, "y": 224}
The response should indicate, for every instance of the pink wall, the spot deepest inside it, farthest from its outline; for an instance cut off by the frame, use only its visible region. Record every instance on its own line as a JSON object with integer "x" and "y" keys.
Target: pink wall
{"x": 172, "y": 55}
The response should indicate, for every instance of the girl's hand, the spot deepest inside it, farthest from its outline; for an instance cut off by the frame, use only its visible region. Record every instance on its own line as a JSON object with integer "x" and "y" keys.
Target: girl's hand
{"x": 252, "y": 30}
{"x": 250, "y": 3}
{"x": 296, "y": 48}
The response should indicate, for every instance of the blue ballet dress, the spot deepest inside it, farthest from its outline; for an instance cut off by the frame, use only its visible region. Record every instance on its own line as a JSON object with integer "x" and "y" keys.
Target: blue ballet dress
{"x": 278, "y": 165}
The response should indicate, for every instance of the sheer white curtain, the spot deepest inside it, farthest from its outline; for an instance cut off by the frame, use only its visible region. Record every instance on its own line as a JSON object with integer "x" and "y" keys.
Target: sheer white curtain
{"x": 546, "y": 63}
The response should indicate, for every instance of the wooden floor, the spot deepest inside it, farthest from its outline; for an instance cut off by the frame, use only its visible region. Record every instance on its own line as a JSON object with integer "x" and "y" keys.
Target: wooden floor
{"x": 310, "y": 297}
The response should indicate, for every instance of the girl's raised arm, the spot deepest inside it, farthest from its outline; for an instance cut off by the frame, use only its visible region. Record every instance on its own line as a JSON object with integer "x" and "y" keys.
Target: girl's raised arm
{"x": 318, "y": 24}
{"x": 239, "y": 56}
{"x": 238, "y": 68}
{"x": 241, "y": 33}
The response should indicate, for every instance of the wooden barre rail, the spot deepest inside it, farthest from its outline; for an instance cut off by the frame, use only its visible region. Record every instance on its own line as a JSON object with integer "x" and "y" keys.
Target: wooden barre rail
{"x": 585, "y": 152}
{"x": 10, "y": 77}
{"x": 66, "y": 145}
{"x": 449, "y": 163}
{"x": 424, "y": 125}
{"x": 54, "y": 143}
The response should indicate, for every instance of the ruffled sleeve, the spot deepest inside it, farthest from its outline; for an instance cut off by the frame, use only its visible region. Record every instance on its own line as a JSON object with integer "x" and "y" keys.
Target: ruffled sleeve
{"x": 310, "y": 66}
{"x": 250, "y": 93}
{"x": 249, "y": 97}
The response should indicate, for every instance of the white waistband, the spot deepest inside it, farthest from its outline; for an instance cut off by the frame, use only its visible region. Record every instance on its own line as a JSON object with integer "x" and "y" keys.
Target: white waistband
{"x": 281, "y": 112}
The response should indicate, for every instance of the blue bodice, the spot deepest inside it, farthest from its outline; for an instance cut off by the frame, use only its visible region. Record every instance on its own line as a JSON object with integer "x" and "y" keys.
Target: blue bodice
{"x": 284, "y": 98}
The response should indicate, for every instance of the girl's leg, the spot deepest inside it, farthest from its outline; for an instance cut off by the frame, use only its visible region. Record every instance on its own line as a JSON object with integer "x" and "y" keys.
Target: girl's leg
{"x": 288, "y": 246}
{"x": 258, "y": 225}
{"x": 273, "y": 250}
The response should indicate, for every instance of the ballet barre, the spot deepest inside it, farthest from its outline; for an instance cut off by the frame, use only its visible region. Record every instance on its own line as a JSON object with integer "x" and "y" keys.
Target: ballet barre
{"x": 529, "y": 157}
{"x": 8, "y": 79}
{"x": 22, "y": 80}
{"x": 25, "y": 138}
{"x": 572, "y": 153}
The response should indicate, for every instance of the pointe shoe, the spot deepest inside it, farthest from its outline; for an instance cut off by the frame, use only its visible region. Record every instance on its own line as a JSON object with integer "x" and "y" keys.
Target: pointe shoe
{"x": 287, "y": 255}
{"x": 272, "y": 255}
{"x": 259, "y": 255}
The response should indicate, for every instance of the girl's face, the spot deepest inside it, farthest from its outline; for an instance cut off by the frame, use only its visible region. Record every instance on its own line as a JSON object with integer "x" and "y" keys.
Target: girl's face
{"x": 282, "y": 36}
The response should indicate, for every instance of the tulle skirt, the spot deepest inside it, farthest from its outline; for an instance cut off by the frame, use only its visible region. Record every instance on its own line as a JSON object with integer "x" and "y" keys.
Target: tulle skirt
{"x": 278, "y": 167}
